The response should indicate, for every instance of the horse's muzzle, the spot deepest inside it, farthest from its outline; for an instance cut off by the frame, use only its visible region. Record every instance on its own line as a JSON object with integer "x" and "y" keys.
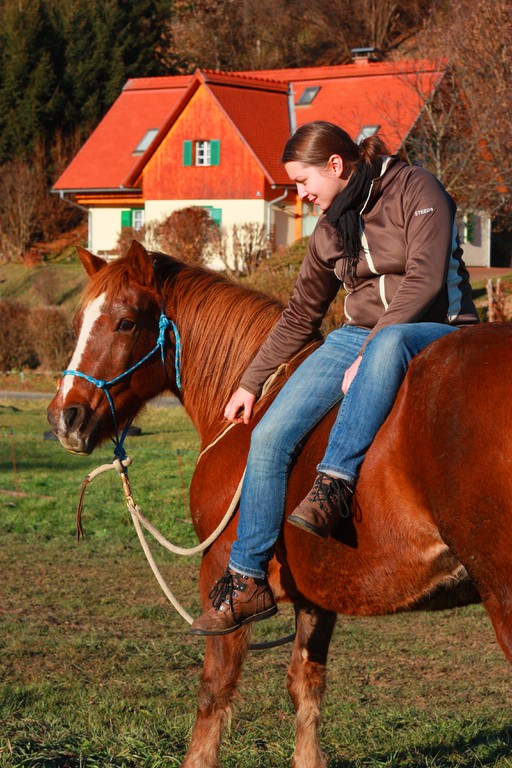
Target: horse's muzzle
{"x": 73, "y": 426}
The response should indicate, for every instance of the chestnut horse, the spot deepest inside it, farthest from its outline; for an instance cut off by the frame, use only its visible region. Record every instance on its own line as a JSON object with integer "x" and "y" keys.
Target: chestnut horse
{"x": 434, "y": 517}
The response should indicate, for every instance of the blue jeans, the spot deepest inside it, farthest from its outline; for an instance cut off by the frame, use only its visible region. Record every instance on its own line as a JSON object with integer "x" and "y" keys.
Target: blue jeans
{"x": 307, "y": 396}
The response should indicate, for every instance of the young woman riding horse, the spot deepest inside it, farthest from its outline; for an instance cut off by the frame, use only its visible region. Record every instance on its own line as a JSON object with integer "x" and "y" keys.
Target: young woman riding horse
{"x": 388, "y": 233}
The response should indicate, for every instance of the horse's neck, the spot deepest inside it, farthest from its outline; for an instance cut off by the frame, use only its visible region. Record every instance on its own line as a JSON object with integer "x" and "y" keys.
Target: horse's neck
{"x": 219, "y": 337}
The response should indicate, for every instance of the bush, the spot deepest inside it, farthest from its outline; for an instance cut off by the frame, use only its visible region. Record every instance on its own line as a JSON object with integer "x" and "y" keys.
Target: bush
{"x": 53, "y": 337}
{"x": 17, "y": 349}
{"x": 185, "y": 234}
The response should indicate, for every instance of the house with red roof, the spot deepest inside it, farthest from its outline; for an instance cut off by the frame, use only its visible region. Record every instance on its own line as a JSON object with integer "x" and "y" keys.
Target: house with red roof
{"x": 215, "y": 139}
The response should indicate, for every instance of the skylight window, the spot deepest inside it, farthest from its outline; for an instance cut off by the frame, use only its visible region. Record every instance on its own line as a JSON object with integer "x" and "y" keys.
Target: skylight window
{"x": 307, "y": 95}
{"x": 145, "y": 141}
{"x": 366, "y": 131}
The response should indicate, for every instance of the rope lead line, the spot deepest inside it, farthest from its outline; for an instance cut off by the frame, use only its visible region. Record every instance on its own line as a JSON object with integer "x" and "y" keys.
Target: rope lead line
{"x": 139, "y": 521}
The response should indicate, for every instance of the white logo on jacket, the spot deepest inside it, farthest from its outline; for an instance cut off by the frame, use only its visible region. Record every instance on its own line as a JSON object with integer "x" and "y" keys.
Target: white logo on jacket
{"x": 423, "y": 210}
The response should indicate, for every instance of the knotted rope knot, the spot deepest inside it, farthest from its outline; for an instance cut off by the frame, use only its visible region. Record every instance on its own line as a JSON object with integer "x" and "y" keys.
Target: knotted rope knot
{"x": 121, "y": 465}
{"x": 163, "y": 324}
{"x": 120, "y": 454}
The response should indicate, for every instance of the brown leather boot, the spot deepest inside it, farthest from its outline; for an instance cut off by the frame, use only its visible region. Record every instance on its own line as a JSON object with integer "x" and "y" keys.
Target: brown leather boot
{"x": 328, "y": 500}
{"x": 236, "y": 600}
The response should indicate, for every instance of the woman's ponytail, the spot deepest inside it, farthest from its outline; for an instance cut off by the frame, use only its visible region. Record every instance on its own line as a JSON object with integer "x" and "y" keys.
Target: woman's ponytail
{"x": 371, "y": 147}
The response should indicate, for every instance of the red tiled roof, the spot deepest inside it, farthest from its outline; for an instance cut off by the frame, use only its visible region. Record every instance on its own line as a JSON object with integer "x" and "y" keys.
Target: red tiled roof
{"x": 260, "y": 115}
{"x": 389, "y": 94}
{"x": 106, "y": 158}
{"x": 385, "y": 94}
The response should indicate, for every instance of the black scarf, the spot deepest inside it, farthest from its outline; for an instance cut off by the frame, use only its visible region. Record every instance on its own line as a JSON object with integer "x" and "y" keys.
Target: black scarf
{"x": 343, "y": 213}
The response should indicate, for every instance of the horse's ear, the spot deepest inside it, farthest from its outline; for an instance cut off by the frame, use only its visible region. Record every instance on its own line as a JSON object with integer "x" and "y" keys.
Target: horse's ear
{"x": 90, "y": 262}
{"x": 142, "y": 261}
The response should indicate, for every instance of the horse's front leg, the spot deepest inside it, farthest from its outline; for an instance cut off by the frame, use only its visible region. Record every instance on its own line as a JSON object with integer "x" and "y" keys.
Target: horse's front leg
{"x": 306, "y": 681}
{"x": 221, "y": 670}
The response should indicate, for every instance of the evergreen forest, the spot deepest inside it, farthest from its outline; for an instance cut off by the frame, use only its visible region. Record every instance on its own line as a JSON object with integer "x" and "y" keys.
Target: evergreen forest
{"x": 64, "y": 62}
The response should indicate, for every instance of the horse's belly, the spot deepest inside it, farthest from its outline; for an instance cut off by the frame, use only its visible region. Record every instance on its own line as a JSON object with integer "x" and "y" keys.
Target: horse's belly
{"x": 377, "y": 570}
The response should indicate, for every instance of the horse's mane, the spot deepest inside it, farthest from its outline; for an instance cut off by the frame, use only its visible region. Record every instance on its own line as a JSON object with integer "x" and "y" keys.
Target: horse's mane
{"x": 222, "y": 326}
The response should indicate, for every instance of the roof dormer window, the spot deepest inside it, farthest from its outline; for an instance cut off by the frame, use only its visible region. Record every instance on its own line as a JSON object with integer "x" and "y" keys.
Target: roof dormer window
{"x": 307, "y": 95}
{"x": 366, "y": 131}
{"x": 145, "y": 141}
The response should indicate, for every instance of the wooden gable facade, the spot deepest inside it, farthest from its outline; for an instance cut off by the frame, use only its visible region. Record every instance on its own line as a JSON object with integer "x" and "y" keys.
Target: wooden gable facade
{"x": 237, "y": 172}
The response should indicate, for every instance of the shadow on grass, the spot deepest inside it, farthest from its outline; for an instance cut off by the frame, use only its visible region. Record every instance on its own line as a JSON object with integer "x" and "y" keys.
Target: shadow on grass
{"x": 461, "y": 753}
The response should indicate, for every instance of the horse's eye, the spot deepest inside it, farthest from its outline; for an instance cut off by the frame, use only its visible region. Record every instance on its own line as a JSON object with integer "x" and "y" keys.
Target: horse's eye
{"x": 125, "y": 325}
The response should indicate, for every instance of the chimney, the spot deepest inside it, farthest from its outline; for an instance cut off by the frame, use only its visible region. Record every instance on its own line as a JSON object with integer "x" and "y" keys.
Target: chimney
{"x": 365, "y": 55}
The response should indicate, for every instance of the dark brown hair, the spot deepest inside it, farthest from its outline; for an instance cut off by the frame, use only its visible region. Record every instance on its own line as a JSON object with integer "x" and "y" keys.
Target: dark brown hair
{"x": 314, "y": 143}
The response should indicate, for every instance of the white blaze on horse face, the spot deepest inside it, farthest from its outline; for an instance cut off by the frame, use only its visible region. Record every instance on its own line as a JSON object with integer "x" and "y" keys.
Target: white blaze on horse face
{"x": 92, "y": 313}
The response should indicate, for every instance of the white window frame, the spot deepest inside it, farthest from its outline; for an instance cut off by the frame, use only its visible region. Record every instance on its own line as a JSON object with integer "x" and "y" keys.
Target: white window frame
{"x": 138, "y": 218}
{"x": 203, "y": 152}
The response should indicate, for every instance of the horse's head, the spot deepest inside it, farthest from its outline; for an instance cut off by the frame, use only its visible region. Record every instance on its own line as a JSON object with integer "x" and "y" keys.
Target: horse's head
{"x": 116, "y": 325}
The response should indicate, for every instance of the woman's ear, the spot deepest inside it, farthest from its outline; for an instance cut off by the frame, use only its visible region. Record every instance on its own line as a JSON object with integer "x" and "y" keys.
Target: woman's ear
{"x": 336, "y": 165}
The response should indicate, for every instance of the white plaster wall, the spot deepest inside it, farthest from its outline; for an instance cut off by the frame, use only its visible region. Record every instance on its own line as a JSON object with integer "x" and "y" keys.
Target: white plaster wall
{"x": 233, "y": 211}
{"x": 104, "y": 228}
{"x": 105, "y": 223}
{"x": 478, "y": 253}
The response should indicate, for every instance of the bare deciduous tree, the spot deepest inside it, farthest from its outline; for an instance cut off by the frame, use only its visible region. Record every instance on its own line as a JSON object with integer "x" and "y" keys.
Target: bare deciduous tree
{"x": 444, "y": 140}
{"x": 235, "y": 34}
{"x": 242, "y": 249}
{"x": 473, "y": 37}
{"x": 249, "y": 245}
{"x": 20, "y": 194}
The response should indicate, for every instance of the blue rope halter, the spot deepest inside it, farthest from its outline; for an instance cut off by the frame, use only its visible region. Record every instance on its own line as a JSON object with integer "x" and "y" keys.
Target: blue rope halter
{"x": 163, "y": 324}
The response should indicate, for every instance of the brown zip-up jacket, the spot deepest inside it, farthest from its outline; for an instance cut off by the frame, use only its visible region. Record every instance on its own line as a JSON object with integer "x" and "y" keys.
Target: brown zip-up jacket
{"x": 411, "y": 269}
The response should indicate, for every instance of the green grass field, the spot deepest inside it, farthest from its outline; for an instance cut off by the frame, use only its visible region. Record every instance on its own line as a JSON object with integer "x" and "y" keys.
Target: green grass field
{"x": 96, "y": 669}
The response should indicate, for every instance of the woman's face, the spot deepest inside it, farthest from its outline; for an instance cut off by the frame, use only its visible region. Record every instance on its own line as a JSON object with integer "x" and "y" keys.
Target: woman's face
{"x": 316, "y": 184}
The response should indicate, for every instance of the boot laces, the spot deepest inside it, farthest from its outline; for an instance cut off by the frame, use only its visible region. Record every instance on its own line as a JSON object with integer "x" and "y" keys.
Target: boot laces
{"x": 331, "y": 493}
{"x": 222, "y": 591}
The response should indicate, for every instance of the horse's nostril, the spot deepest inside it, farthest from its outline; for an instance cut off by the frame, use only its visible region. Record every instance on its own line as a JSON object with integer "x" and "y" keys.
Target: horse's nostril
{"x": 72, "y": 416}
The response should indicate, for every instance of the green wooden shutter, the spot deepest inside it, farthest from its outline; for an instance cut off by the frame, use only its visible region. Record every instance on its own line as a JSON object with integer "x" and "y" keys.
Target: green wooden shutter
{"x": 126, "y": 219}
{"x": 216, "y": 214}
{"x": 470, "y": 228}
{"x": 214, "y": 152}
{"x": 187, "y": 153}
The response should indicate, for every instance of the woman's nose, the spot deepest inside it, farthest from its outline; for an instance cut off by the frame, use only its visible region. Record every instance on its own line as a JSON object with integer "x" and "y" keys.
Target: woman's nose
{"x": 302, "y": 192}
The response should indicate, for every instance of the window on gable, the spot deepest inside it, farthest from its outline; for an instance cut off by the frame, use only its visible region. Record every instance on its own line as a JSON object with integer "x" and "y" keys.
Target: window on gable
{"x": 145, "y": 141}
{"x": 202, "y": 152}
{"x": 366, "y": 131}
{"x": 307, "y": 95}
